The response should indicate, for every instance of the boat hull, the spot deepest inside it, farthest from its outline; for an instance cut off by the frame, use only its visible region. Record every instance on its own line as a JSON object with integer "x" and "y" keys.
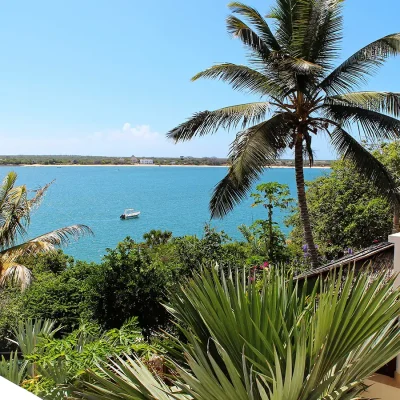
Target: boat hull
{"x": 131, "y": 216}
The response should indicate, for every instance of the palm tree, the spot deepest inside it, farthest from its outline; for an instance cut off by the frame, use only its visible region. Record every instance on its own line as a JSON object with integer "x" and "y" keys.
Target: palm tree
{"x": 157, "y": 237}
{"x": 15, "y": 211}
{"x": 291, "y": 69}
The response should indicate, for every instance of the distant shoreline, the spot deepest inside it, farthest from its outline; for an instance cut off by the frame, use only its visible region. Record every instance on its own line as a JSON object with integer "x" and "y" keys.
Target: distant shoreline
{"x": 150, "y": 166}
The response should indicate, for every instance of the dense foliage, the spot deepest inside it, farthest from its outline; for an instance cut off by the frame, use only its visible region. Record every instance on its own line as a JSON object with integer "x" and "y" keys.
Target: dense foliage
{"x": 346, "y": 211}
{"x": 228, "y": 351}
{"x": 60, "y": 290}
{"x": 317, "y": 346}
{"x": 51, "y": 364}
{"x": 131, "y": 281}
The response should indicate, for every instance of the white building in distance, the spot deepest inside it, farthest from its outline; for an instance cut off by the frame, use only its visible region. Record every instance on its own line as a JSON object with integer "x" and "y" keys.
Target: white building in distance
{"x": 146, "y": 161}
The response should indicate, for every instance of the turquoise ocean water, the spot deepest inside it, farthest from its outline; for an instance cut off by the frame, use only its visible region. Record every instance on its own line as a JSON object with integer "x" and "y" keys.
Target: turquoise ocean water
{"x": 169, "y": 198}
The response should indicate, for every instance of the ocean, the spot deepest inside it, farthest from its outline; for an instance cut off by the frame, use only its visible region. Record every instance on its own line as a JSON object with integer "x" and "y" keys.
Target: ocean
{"x": 169, "y": 198}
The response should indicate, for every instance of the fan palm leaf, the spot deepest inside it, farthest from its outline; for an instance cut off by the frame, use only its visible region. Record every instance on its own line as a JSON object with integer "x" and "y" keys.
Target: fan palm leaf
{"x": 315, "y": 342}
{"x": 126, "y": 378}
{"x": 12, "y": 369}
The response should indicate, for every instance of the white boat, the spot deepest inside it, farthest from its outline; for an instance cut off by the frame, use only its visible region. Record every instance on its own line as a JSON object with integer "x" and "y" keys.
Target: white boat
{"x": 130, "y": 213}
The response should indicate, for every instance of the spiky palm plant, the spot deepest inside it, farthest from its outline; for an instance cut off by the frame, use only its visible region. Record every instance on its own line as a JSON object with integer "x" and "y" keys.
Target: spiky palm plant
{"x": 12, "y": 369}
{"x": 16, "y": 206}
{"x": 291, "y": 69}
{"x": 273, "y": 339}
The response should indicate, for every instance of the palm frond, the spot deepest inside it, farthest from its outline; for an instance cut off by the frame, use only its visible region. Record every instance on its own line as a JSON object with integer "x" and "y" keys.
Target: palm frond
{"x": 239, "y": 29}
{"x": 326, "y": 33}
{"x": 12, "y": 369}
{"x": 252, "y": 150}
{"x": 15, "y": 274}
{"x": 383, "y": 102}
{"x": 255, "y": 18}
{"x": 366, "y": 163}
{"x": 14, "y": 215}
{"x": 207, "y": 122}
{"x": 15, "y": 209}
{"x": 126, "y": 378}
{"x": 285, "y": 13}
{"x": 63, "y": 236}
{"x": 352, "y": 72}
{"x": 317, "y": 30}
{"x": 270, "y": 340}
{"x": 278, "y": 67}
{"x": 39, "y": 194}
{"x": 6, "y": 186}
{"x": 301, "y": 343}
{"x": 300, "y": 66}
{"x": 375, "y": 125}
{"x": 243, "y": 78}
{"x": 45, "y": 243}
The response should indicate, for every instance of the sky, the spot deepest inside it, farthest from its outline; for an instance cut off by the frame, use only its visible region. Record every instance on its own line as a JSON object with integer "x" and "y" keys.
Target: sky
{"x": 101, "y": 77}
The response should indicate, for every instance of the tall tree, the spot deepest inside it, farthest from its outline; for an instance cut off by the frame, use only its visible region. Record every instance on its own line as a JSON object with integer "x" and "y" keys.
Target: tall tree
{"x": 271, "y": 195}
{"x": 291, "y": 69}
{"x": 15, "y": 212}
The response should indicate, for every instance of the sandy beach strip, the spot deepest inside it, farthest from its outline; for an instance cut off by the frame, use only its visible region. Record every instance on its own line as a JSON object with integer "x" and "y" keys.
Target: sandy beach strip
{"x": 149, "y": 166}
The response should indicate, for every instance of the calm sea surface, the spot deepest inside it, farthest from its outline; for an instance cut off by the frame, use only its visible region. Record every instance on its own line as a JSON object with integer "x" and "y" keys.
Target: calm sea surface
{"x": 174, "y": 199}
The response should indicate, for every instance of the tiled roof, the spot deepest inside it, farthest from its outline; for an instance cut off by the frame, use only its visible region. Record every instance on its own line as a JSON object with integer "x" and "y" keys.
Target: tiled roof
{"x": 361, "y": 255}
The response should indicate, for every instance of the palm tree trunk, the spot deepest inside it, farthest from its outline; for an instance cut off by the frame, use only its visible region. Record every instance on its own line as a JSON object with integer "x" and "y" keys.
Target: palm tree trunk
{"x": 271, "y": 233}
{"x": 395, "y": 219}
{"x": 301, "y": 194}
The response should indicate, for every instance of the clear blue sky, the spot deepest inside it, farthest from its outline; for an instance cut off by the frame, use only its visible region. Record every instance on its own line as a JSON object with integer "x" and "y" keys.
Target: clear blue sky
{"x": 112, "y": 77}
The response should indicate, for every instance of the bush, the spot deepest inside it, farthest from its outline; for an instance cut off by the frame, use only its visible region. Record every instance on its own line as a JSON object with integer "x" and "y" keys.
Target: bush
{"x": 131, "y": 280}
{"x": 129, "y": 283}
{"x": 11, "y": 311}
{"x": 61, "y": 295}
{"x": 346, "y": 212}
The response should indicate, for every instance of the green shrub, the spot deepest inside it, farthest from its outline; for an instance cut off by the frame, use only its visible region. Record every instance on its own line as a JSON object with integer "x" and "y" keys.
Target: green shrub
{"x": 11, "y": 311}
{"x": 129, "y": 283}
{"x": 346, "y": 212}
{"x": 61, "y": 295}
